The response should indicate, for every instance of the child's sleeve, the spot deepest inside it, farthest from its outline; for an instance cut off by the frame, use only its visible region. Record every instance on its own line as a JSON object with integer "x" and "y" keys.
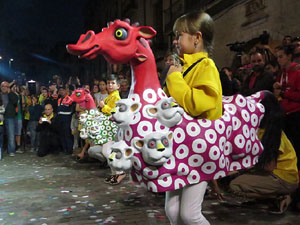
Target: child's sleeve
{"x": 110, "y": 104}
{"x": 202, "y": 95}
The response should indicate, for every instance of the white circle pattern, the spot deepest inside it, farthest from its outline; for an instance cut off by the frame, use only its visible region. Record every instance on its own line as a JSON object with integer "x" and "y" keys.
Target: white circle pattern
{"x": 136, "y": 163}
{"x": 182, "y": 151}
{"x": 150, "y": 172}
{"x": 149, "y": 95}
{"x": 179, "y": 135}
{"x": 209, "y": 167}
{"x": 254, "y": 120}
{"x": 193, "y": 177}
{"x": 170, "y": 164}
{"x": 214, "y": 153}
{"x": 219, "y": 126}
{"x": 193, "y": 129}
{"x": 245, "y": 115}
{"x": 199, "y": 146}
{"x": 195, "y": 160}
{"x": 128, "y": 133}
{"x": 183, "y": 169}
{"x": 165, "y": 180}
{"x": 144, "y": 128}
{"x": 240, "y": 101}
{"x": 204, "y": 123}
{"x": 211, "y": 136}
{"x": 179, "y": 183}
{"x": 239, "y": 141}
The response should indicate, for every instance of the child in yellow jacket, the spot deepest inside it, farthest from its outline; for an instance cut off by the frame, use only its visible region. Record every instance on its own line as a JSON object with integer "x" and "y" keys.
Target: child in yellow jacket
{"x": 196, "y": 87}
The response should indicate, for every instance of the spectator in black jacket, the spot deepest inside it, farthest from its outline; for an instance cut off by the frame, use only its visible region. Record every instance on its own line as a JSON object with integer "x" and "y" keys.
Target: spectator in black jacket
{"x": 48, "y": 128}
{"x": 259, "y": 79}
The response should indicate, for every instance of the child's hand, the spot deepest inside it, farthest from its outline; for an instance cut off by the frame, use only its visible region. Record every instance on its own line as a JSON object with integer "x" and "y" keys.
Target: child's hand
{"x": 101, "y": 104}
{"x": 175, "y": 68}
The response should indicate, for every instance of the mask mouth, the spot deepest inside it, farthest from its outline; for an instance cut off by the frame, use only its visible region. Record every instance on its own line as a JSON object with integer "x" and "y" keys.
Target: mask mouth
{"x": 83, "y": 52}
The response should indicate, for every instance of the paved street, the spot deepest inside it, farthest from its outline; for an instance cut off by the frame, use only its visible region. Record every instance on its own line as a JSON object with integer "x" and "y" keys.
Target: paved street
{"x": 58, "y": 190}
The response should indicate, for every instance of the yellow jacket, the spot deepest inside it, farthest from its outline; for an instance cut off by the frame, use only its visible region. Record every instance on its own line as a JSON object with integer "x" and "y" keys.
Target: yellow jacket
{"x": 110, "y": 102}
{"x": 200, "y": 91}
{"x": 286, "y": 167}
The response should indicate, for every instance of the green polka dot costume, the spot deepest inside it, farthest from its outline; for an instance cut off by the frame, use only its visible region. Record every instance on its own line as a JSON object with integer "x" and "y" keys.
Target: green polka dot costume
{"x": 97, "y": 128}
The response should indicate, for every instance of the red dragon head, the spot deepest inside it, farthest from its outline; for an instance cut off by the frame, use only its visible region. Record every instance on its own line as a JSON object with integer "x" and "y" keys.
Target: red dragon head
{"x": 117, "y": 43}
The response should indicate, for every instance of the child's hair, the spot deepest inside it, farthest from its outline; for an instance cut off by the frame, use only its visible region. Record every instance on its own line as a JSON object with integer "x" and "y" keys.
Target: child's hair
{"x": 197, "y": 21}
{"x": 113, "y": 77}
{"x": 102, "y": 80}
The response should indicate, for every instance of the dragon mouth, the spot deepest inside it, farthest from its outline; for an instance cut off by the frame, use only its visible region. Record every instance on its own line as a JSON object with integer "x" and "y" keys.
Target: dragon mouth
{"x": 83, "y": 53}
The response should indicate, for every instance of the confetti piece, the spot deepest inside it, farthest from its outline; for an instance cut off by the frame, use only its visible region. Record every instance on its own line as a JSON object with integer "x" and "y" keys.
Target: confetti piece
{"x": 32, "y": 220}
{"x": 215, "y": 203}
{"x": 66, "y": 213}
{"x": 61, "y": 210}
{"x": 12, "y": 213}
{"x": 98, "y": 220}
{"x": 1, "y": 199}
{"x": 74, "y": 196}
{"x": 93, "y": 217}
{"x": 99, "y": 211}
{"x": 77, "y": 202}
{"x": 65, "y": 191}
{"x": 86, "y": 196}
{"x": 113, "y": 201}
{"x": 25, "y": 213}
{"x": 150, "y": 215}
{"x": 91, "y": 205}
{"x": 73, "y": 207}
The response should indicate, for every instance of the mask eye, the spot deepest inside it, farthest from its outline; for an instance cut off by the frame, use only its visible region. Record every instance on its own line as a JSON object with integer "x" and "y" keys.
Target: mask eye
{"x": 121, "y": 34}
{"x": 166, "y": 105}
{"x": 118, "y": 155}
{"x": 78, "y": 94}
{"x": 152, "y": 143}
{"x": 165, "y": 141}
{"x": 122, "y": 108}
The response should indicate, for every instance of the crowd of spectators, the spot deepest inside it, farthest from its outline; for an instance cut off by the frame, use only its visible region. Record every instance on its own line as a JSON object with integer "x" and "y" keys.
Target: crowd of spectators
{"x": 30, "y": 115}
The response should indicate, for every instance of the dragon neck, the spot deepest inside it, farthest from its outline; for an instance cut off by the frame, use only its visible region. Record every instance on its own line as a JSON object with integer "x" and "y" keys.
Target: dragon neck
{"x": 89, "y": 102}
{"x": 144, "y": 75}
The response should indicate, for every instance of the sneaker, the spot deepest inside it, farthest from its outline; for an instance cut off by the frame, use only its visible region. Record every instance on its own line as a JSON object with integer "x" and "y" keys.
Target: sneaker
{"x": 20, "y": 151}
{"x": 11, "y": 154}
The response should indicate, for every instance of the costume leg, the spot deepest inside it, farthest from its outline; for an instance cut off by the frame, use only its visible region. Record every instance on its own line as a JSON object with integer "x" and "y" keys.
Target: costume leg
{"x": 191, "y": 204}
{"x": 96, "y": 152}
{"x": 172, "y": 206}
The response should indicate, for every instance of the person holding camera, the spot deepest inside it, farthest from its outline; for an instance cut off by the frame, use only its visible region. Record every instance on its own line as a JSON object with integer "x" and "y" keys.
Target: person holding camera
{"x": 49, "y": 129}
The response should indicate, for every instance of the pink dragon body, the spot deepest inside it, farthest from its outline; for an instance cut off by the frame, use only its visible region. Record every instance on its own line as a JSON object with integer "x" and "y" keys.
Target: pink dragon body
{"x": 168, "y": 148}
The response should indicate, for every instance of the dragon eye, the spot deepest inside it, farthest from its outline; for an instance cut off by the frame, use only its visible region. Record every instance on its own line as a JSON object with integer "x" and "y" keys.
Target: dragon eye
{"x": 78, "y": 94}
{"x": 122, "y": 108}
{"x": 166, "y": 105}
{"x": 121, "y": 34}
{"x": 152, "y": 143}
{"x": 165, "y": 141}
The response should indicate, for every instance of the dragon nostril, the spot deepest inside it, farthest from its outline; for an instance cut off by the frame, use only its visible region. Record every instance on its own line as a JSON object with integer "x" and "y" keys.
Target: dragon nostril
{"x": 87, "y": 37}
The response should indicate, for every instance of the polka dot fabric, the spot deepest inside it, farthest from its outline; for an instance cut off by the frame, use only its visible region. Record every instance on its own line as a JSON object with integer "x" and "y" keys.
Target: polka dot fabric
{"x": 202, "y": 149}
